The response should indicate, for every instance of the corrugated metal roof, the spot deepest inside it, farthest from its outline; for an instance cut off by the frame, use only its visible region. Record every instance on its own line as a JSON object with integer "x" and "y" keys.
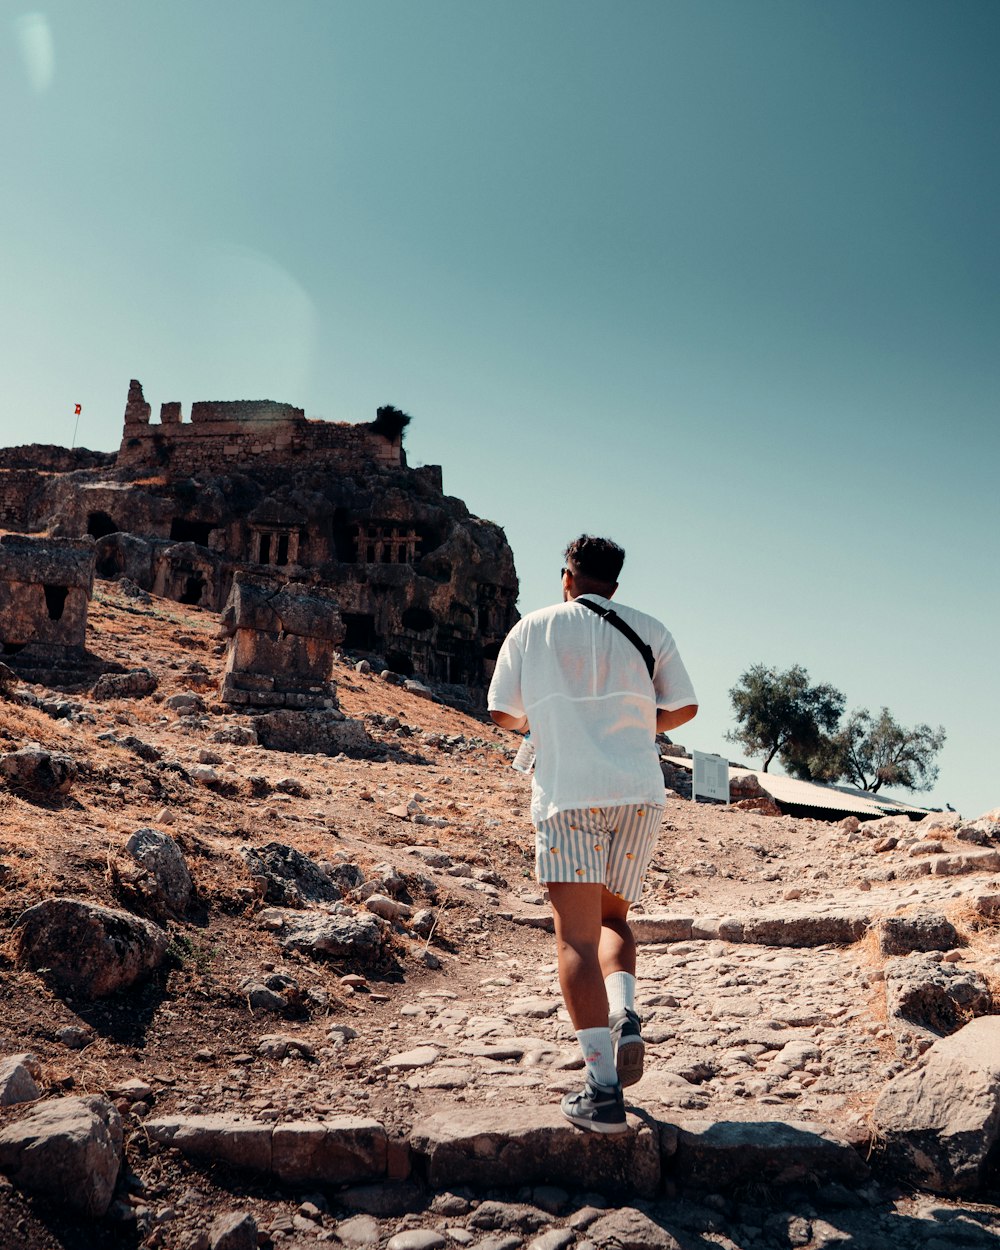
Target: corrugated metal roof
{"x": 809, "y": 794}
{"x": 813, "y": 794}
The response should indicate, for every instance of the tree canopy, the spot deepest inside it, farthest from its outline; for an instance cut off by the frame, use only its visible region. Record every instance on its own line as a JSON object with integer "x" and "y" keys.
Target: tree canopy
{"x": 781, "y": 714}
{"x": 876, "y": 753}
{"x": 390, "y": 422}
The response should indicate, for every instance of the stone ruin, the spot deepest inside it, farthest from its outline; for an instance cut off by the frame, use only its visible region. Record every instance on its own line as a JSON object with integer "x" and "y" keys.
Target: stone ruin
{"x": 424, "y": 587}
{"x": 45, "y": 587}
{"x": 282, "y": 639}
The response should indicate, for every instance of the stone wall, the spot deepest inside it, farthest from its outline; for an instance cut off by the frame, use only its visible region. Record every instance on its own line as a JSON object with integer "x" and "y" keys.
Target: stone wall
{"x": 20, "y": 493}
{"x": 225, "y": 434}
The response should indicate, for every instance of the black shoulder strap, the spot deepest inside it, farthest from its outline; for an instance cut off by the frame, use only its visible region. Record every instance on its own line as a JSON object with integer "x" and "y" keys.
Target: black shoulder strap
{"x": 612, "y": 618}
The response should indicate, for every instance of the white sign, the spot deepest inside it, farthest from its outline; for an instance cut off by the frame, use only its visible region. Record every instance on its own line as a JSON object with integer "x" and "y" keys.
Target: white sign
{"x": 711, "y": 776}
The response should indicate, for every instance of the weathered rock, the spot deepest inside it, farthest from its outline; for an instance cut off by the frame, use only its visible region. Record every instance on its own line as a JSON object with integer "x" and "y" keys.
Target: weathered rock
{"x": 236, "y": 1230}
{"x": 358, "y": 1230}
{"x": 152, "y": 873}
{"x": 86, "y": 949}
{"x": 420, "y": 1057}
{"x": 319, "y": 733}
{"x": 145, "y": 750}
{"x": 186, "y": 703}
{"x": 629, "y": 1229}
{"x": 533, "y": 1145}
{"x": 939, "y": 820}
{"x": 512, "y": 1216}
{"x": 388, "y": 908}
{"x": 345, "y": 1150}
{"x": 287, "y": 877}
{"x": 721, "y": 1155}
{"x": 803, "y": 928}
{"x": 969, "y": 861}
{"x": 17, "y": 1080}
{"x": 39, "y": 773}
{"x": 937, "y": 1124}
{"x": 935, "y": 995}
{"x": 654, "y": 928}
{"x": 358, "y": 937}
{"x": 280, "y": 1045}
{"x": 134, "y": 685}
{"x": 69, "y": 1149}
{"x": 899, "y": 935}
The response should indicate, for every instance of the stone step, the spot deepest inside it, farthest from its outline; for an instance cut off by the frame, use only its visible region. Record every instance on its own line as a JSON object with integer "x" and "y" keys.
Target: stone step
{"x": 530, "y": 1145}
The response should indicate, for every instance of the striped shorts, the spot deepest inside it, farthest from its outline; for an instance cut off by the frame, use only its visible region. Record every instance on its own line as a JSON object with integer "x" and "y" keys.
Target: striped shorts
{"x": 609, "y": 846}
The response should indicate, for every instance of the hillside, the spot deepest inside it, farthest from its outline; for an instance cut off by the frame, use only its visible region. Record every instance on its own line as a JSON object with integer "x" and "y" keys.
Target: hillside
{"x": 758, "y": 1009}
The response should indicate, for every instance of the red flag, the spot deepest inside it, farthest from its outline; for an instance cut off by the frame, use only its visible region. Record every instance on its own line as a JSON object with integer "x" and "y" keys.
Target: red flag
{"x": 77, "y": 410}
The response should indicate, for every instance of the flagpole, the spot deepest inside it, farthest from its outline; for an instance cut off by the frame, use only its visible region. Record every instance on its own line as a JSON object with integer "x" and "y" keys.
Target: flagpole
{"x": 76, "y": 425}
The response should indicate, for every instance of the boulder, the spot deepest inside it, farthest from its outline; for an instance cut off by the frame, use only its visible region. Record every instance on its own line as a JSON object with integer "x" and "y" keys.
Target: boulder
{"x": 69, "y": 1150}
{"x": 151, "y": 871}
{"x": 938, "y": 1123}
{"x": 532, "y": 1145}
{"x": 899, "y": 935}
{"x": 939, "y": 820}
{"x": 87, "y": 949}
{"x": 134, "y": 685}
{"x": 287, "y": 877}
{"x": 346, "y": 935}
{"x": 629, "y": 1229}
{"x": 235, "y": 1230}
{"x": 935, "y": 995}
{"x": 746, "y": 786}
{"x": 186, "y": 703}
{"x": 319, "y": 733}
{"x": 38, "y": 773}
{"x": 17, "y": 1080}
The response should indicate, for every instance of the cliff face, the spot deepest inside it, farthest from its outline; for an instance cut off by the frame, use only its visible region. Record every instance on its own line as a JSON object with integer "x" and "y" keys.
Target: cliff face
{"x": 420, "y": 582}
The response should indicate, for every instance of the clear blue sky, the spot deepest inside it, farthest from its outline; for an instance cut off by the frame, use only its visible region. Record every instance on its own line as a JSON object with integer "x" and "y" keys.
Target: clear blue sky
{"x": 718, "y": 278}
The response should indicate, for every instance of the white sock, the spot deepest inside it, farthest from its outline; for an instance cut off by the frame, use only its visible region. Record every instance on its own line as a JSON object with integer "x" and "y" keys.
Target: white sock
{"x": 621, "y": 991}
{"x": 599, "y": 1055}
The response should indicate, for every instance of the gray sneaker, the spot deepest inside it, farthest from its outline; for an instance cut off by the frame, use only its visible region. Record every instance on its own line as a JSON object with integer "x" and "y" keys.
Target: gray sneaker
{"x": 630, "y": 1049}
{"x": 598, "y": 1108}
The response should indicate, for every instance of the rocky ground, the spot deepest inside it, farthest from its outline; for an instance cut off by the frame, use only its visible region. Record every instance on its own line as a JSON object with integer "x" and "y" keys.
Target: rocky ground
{"x": 771, "y": 984}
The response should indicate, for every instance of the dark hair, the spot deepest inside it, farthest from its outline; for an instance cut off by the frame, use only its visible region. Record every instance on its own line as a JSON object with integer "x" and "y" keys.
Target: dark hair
{"x": 599, "y": 559}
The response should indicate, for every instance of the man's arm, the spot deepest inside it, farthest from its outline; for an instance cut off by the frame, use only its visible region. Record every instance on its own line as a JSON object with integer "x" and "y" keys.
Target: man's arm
{"x": 519, "y": 724}
{"x": 666, "y": 721}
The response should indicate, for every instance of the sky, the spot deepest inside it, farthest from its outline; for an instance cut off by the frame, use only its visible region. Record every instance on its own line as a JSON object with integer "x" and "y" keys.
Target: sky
{"x": 719, "y": 279}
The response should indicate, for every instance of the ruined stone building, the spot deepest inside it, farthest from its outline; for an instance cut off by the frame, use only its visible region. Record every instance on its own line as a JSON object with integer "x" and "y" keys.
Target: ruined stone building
{"x": 45, "y": 587}
{"x": 256, "y": 486}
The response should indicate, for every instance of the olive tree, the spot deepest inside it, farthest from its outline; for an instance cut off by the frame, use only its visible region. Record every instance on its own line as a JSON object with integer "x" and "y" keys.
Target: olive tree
{"x": 879, "y": 752}
{"x": 781, "y": 714}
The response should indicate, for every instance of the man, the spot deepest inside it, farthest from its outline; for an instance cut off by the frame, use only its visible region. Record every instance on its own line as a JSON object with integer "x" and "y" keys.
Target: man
{"x": 594, "y": 703}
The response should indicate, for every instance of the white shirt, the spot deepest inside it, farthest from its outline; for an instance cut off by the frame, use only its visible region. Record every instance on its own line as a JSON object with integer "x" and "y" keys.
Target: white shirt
{"x": 590, "y": 704}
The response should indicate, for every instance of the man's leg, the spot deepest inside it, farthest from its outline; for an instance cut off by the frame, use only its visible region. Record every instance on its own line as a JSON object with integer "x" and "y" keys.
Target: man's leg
{"x": 617, "y": 946}
{"x": 577, "y": 912}
{"x": 576, "y": 908}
